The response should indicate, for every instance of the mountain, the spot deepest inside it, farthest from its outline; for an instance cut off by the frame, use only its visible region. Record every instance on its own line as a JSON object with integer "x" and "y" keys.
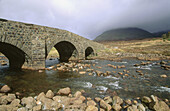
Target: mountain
{"x": 159, "y": 34}
{"x": 124, "y": 34}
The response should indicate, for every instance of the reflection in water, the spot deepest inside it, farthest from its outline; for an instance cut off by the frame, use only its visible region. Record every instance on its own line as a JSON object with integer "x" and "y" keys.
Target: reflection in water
{"x": 32, "y": 82}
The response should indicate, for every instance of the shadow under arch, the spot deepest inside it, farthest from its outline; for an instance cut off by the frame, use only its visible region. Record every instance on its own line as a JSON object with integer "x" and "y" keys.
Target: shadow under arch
{"x": 66, "y": 50}
{"x": 89, "y": 51}
{"x": 15, "y": 55}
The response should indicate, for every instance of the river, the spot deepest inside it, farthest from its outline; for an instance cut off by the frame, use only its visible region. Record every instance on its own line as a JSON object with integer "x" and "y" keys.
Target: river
{"x": 31, "y": 83}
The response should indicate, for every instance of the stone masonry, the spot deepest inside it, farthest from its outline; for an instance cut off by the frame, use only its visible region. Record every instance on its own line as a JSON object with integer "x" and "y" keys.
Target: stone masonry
{"x": 27, "y": 45}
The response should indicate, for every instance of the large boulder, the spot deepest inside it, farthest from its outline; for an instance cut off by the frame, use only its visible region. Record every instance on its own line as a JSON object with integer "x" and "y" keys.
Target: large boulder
{"x": 132, "y": 108}
{"x": 42, "y": 94}
{"x": 159, "y": 106}
{"x": 105, "y": 106}
{"x": 91, "y": 103}
{"x": 46, "y": 103}
{"x": 29, "y": 102}
{"x": 11, "y": 97}
{"x": 140, "y": 107}
{"x": 116, "y": 107}
{"x": 64, "y": 91}
{"x": 63, "y": 100}
{"x": 49, "y": 94}
{"x": 3, "y": 100}
{"x": 91, "y": 108}
{"x": 15, "y": 102}
{"x": 5, "y": 89}
{"x": 8, "y": 108}
{"x": 108, "y": 99}
{"x": 37, "y": 108}
{"x": 146, "y": 99}
{"x": 77, "y": 94}
{"x": 117, "y": 100}
{"x": 80, "y": 107}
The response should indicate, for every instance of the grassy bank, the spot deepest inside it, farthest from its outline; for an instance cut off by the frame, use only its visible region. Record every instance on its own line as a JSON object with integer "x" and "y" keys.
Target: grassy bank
{"x": 146, "y": 46}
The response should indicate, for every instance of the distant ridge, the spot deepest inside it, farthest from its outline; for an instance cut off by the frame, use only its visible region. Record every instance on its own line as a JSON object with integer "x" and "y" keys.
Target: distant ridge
{"x": 159, "y": 34}
{"x": 124, "y": 34}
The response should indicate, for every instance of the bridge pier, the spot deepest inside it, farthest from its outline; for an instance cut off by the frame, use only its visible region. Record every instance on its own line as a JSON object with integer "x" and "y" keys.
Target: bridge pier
{"x": 37, "y": 59}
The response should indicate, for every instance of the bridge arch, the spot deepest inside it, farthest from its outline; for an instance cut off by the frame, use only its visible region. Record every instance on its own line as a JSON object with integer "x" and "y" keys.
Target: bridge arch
{"x": 89, "y": 51}
{"x": 15, "y": 55}
{"x": 66, "y": 50}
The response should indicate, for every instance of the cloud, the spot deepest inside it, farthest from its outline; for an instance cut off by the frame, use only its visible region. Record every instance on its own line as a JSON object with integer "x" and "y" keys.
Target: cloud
{"x": 89, "y": 18}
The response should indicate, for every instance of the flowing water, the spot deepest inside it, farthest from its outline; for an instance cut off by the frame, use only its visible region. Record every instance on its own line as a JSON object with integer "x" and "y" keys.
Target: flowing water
{"x": 31, "y": 83}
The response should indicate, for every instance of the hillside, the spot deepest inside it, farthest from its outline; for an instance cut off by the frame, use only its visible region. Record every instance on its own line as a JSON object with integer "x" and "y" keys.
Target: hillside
{"x": 124, "y": 34}
{"x": 159, "y": 34}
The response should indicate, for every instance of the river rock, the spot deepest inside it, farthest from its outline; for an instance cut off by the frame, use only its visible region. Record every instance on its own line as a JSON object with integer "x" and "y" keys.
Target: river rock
{"x": 97, "y": 99}
{"x": 11, "y": 97}
{"x": 140, "y": 107}
{"x": 62, "y": 99}
{"x": 116, "y": 107}
{"x": 77, "y": 94}
{"x": 82, "y": 98}
{"x": 99, "y": 72}
{"x": 163, "y": 76}
{"x": 76, "y": 102}
{"x": 128, "y": 101}
{"x": 8, "y": 108}
{"x": 108, "y": 100}
{"x": 29, "y": 102}
{"x": 15, "y": 102}
{"x": 105, "y": 106}
{"x": 163, "y": 62}
{"x": 82, "y": 72}
{"x": 64, "y": 91}
{"x": 42, "y": 94}
{"x": 101, "y": 109}
{"x": 132, "y": 108}
{"x": 135, "y": 102}
{"x": 91, "y": 103}
{"x": 120, "y": 73}
{"x": 5, "y": 89}
{"x": 117, "y": 100}
{"x": 61, "y": 68}
{"x": 90, "y": 74}
{"x": 89, "y": 70}
{"x": 139, "y": 71}
{"x": 3, "y": 100}
{"x": 46, "y": 103}
{"x": 81, "y": 107}
{"x": 40, "y": 71}
{"x": 56, "y": 106}
{"x": 159, "y": 106}
{"x": 22, "y": 109}
{"x": 37, "y": 108}
{"x": 146, "y": 99}
{"x": 49, "y": 94}
{"x": 91, "y": 108}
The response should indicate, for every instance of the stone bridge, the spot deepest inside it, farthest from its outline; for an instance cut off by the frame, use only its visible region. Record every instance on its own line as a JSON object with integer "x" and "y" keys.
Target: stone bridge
{"x": 27, "y": 45}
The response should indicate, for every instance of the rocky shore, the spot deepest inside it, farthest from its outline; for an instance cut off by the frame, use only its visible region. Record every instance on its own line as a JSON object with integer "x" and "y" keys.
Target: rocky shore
{"x": 64, "y": 100}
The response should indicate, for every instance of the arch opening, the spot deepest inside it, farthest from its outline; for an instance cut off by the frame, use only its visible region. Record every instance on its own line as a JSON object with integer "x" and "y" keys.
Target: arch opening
{"x": 66, "y": 51}
{"x": 89, "y": 52}
{"x": 4, "y": 62}
{"x": 15, "y": 55}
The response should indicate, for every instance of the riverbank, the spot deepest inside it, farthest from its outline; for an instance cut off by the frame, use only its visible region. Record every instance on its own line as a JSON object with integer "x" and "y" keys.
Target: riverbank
{"x": 146, "y": 49}
{"x": 64, "y": 100}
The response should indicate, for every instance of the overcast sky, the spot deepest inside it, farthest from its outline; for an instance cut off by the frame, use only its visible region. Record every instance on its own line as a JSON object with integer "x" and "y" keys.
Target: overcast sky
{"x": 89, "y": 18}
